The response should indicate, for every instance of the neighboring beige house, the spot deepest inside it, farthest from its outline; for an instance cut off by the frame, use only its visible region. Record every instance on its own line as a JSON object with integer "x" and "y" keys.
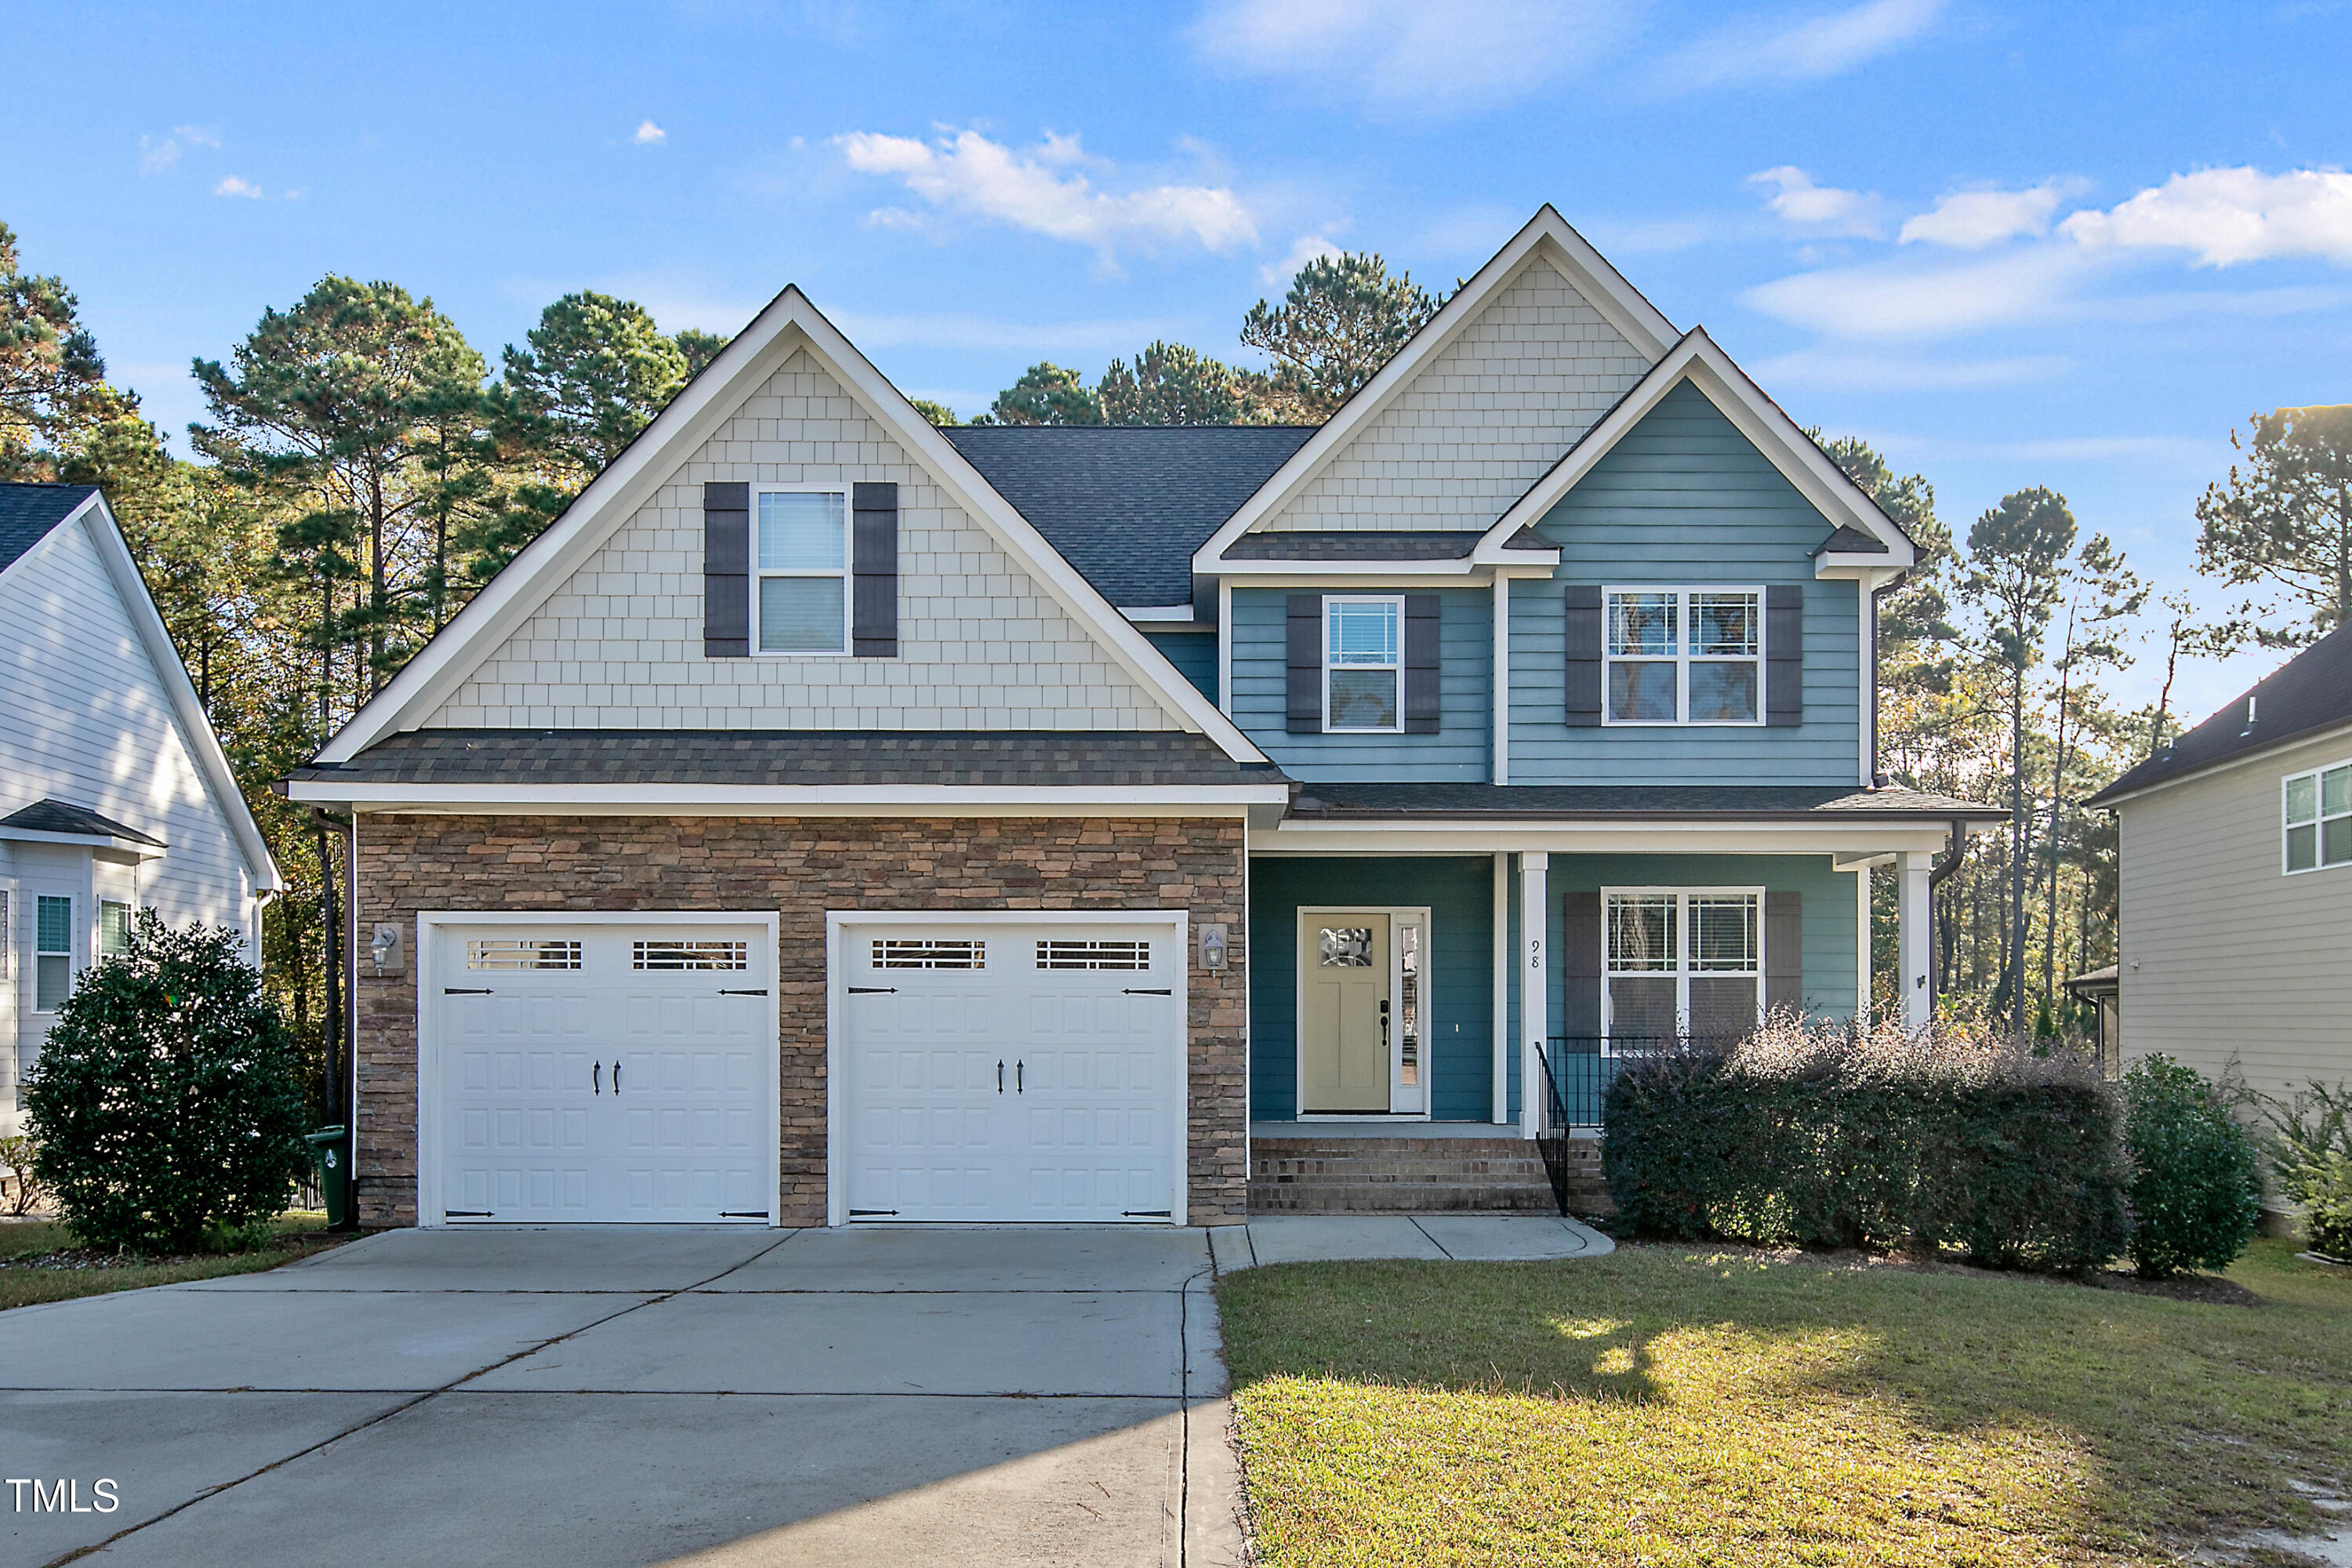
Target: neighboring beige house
{"x": 2236, "y": 883}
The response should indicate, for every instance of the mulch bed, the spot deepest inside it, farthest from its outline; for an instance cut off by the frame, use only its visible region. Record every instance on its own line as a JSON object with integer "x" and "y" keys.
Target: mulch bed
{"x": 97, "y": 1257}
{"x": 2208, "y": 1287}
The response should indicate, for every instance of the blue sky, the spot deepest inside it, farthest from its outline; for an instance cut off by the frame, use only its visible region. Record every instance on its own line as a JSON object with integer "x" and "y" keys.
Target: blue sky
{"x": 2073, "y": 245}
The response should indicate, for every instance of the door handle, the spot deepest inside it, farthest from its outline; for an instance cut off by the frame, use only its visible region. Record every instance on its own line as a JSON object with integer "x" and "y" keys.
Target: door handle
{"x": 999, "y": 1078}
{"x": 1384, "y": 1022}
{"x": 596, "y": 1076}
{"x": 617, "y": 1074}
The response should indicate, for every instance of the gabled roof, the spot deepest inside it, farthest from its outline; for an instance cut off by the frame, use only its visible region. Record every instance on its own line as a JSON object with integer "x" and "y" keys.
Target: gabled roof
{"x": 23, "y": 509}
{"x": 1860, "y": 534}
{"x": 2310, "y": 693}
{"x": 789, "y": 324}
{"x": 1127, "y": 505}
{"x": 78, "y": 820}
{"x": 28, "y": 512}
{"x": 1547, "y": 234}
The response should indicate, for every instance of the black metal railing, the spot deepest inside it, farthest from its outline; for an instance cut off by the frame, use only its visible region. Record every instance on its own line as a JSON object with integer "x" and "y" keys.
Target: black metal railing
{"x": 1578, "y": 1070}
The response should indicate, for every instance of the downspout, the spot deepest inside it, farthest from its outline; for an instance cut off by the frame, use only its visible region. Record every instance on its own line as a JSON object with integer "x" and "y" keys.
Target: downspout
{"x": 1935, "y": 875}
{"x": 345, "y": 1004}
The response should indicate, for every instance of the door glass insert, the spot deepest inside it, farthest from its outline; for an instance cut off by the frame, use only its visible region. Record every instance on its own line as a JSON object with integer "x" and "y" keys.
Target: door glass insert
{"x": 521, "y": 952}
{"x": 932, "y": 952}
{"x": 1408, "y": 1004}
{"x": 1058, "y": 955}
{"x": 1346, "y": 947}
{"x": 691, "y": 955}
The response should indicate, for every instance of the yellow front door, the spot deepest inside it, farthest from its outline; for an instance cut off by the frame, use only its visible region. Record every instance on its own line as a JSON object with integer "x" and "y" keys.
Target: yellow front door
{"x": 1344, "y": 1033}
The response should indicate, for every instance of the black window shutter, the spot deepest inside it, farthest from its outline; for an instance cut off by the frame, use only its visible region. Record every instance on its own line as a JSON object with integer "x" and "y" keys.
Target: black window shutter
{"x": 1305, "y": 648}
{"x": 726, "y": 571}
{"x": 873, "y": 569}
{"x": 1583, "y": 654}
{"x": 1579, "y": 964}
{"x": 1784, "y": 949}
{"x": 1784, "y": 654}
{"x": 1422, "y": 619}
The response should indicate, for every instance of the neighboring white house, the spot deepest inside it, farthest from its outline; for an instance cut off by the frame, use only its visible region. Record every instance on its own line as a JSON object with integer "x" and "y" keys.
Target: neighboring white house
{"x": 2235, "y": 884}
{"x": 114, "y": 794}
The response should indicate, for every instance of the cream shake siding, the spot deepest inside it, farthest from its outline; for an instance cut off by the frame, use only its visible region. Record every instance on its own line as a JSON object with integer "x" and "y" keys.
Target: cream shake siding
{"x": 980, "y": 644}
{"x": 1482, "y": 420}
{"x": 2224, "y": 958}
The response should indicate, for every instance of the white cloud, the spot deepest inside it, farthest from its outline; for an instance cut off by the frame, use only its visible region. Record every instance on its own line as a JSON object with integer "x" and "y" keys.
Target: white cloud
{"x": 234, "y": 186}
{"x": 1971, "y": 220}
{"x": 1304, "y": 249}
{"x": 157, "y": 153}
{"x": 2226, "y": 216}
{"x": 1772, "y": 49}
{"x": 648, "y": 134}
{"x": 1881, "y": 372}
{"x": 1823, "y": 209}
{"x": 1418, "y": 56}
{"x": 1900, "y": 299}
{"x": 1044, "y": 191}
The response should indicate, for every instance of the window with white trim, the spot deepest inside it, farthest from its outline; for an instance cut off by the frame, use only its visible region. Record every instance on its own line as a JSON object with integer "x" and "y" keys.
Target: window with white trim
{"x": 800, "y": 571}
{"x": 1683, "y": 963}
{"x": 113, "y": 927}
{"x": 1363, "y": 663}
{"x": 52, "y": 952}
{"x": 2319, "y": 819}
{"x": 1684, "y": 655}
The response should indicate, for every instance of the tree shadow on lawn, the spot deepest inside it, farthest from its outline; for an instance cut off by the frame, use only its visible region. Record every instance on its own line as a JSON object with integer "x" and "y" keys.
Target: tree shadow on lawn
{"x": 1919, "y": 1400}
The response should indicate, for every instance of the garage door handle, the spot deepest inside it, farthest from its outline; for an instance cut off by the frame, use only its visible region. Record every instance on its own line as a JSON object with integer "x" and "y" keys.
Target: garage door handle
{"x": 1148, "y": 991}
{"x": 596, "y": 1076}
{"x": 1017, "y": 1067}
{"x": 868, "y": 991}
{"x": 465, "y": 990}
{"x": 762, "y": 991}
{"x": 617, "y": 1074}
{"x": 999, "y": 1078}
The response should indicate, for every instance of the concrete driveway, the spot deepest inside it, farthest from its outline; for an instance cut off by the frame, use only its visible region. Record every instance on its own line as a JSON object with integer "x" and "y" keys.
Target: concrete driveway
{"x": 1014, "y": 1395}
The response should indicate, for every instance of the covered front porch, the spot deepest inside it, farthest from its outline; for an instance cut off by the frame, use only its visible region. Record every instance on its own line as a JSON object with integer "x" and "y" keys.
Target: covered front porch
{"x": 1419, "y": 975}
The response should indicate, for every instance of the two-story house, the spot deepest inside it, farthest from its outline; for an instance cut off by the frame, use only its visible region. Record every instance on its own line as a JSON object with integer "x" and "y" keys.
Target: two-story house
{"x": 833, "y": 817}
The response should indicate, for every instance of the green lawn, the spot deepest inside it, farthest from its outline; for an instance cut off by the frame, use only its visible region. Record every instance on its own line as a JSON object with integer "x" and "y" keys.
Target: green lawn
{"x": 39, "y": 1262}
{"x": 1681, "y": 1404}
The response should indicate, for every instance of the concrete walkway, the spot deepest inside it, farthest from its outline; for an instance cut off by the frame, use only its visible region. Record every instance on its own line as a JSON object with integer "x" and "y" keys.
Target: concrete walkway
{"x": 1458, "y": 1238}
{"x": 901, "y": 1396}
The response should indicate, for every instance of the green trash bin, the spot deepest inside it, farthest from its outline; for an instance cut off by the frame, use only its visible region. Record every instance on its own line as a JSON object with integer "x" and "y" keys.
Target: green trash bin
{"x": 332, "y": 1148}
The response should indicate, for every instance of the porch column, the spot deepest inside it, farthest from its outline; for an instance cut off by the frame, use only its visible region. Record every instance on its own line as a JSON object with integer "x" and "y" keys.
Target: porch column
{"x": 1503, "y": 957}
{"x": 1911, "y": 939}
{"x": 1535, "y": 995}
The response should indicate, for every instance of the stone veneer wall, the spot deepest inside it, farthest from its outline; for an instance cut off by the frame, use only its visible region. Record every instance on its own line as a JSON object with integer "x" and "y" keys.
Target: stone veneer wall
{"x": 801, "y": 868}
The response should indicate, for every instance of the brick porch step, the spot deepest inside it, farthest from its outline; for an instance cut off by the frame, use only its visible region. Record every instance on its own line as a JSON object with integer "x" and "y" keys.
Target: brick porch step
{"x": 1339, "y": 1174}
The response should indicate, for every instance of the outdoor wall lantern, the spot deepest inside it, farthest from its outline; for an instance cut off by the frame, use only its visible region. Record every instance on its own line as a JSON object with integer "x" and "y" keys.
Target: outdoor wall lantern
{"x": 1212, "y": 948}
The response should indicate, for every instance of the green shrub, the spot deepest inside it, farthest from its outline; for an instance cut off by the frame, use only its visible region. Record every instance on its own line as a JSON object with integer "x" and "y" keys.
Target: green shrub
{"x": 1823, "y": 1137}
{"x": 25, "y": 1192}
{"x": 2310, "y": 1148}
{"x": 167, "y": 1102}
{"x": 2196, "y": 1186}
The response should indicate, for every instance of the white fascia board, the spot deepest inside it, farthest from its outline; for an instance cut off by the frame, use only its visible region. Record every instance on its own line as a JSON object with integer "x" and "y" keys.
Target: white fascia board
{"x": 1159, "y": 615}
{"x": 1547, "y": 234}
{"x": 786, "y": 800}
{"x": 788, "y": 323}
{"x": 1698, "y": 360}
{"x": 107, "y": 841}
{"x": 194, "y": 725}
{"x": 1635, "y": 836}
{"x": 1871, "y": 571}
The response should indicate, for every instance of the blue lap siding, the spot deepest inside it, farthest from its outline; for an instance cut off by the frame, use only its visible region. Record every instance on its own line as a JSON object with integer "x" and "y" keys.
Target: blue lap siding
{"x": 1194, "y": 653}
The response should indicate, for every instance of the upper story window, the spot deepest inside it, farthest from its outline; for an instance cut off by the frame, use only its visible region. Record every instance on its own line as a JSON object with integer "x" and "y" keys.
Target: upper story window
{"x": 1685, "y": 656}
{"x": 1683, "y": 963}
{"x": 1363, "y": 663}
{"x": 113, "y": 927}
{"x": 2319, "y": 819}
{"x": 52, "y": 952}
{"x": 800, "y": 580}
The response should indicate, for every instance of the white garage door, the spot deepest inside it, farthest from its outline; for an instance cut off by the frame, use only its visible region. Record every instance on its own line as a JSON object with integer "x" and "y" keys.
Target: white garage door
{"x": 1026, "y": 1071}
{"x": 603, "y": 1074}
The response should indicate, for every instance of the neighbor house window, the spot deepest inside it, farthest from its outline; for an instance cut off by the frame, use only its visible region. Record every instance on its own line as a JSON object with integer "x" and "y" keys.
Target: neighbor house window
{"x": 52, "y": 952}
{"x": 1363, "y": 667}
{"x": 1683, "y": 964}
{"x": 113, "y": 928}
{"x": 1685, "y": 656}
{"x": 2319, "y": 819}
{"x": 801, "y": 584}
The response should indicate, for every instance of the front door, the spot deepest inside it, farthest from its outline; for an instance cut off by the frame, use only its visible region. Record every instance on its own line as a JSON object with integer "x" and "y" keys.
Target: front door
{"x": 1344, "y": 1029}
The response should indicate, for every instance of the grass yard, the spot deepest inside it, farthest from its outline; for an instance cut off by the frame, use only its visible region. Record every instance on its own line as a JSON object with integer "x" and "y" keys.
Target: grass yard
{"x": 39, "y": 1262}
{"x": 1688, "y": 1404}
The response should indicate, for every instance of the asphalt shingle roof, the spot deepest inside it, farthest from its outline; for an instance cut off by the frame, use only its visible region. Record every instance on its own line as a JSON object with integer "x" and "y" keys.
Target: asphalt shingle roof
{"x": 1355, "y": 544}
{"x": 62, "y": 817}
{"x": 28, "y": 512}
{"x": 801, "y": 757}
{"x": 1556, "y": 802}
{"x": 2311, "y": 691}
{"x": 1127, "y": 505}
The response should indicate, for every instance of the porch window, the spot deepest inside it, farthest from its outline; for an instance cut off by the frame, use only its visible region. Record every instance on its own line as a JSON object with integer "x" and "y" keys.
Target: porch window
{"x": 2319, "y": 819}
{"x": 1685, "y": 656}
{"x": 801, "y": 584}
{"x": 52, "y": 952}
{"x": 1363, "y": 669}
{"x": 1683, "y": 963}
